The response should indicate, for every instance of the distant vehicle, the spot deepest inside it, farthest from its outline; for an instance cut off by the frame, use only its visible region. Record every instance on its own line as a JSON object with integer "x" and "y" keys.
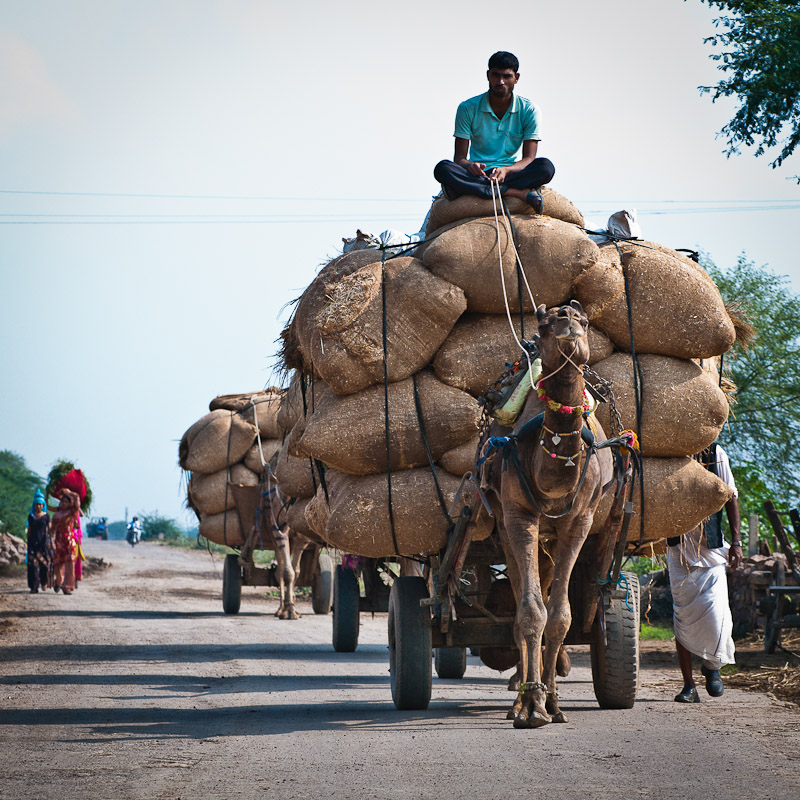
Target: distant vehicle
{"x": 97, "y": 527}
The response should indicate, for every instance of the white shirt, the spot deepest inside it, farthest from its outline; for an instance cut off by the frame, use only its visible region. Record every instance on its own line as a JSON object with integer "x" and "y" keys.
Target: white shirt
{"x": 692, "y": 550}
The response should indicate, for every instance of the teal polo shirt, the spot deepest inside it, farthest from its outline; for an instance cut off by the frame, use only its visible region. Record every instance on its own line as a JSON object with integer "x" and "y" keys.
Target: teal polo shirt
{"x": 496, "y": 142}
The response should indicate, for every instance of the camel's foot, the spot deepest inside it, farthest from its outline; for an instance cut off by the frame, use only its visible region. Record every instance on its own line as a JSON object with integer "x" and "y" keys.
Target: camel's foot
{"x": 515, "y": 708}
{"x": 289, "y": 612}
{"x": 563, "y": 664}
{"x": 556, "y": 714}
{"x": 279, "y": 612}
{"x": 514, "y": 682}
{"x": 532, "y": 713}
{"x": 535, "y": 720}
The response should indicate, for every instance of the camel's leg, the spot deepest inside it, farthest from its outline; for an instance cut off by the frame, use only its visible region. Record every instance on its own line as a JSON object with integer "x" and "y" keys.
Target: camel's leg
{"x": 522, "y": 529}
{"x": 559, "y": 614}
{"x": 296, "y": 548}
{"x": 286, "y": 576}
{"x": 512, "y": 570}
{"x": 546, "y": 569}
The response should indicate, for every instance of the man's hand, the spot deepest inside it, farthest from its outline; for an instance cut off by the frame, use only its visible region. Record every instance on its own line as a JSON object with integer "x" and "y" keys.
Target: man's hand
{"x": 499, "y": 174}
{"x": 475, "y": 168}
{"x": 735, "y": 555}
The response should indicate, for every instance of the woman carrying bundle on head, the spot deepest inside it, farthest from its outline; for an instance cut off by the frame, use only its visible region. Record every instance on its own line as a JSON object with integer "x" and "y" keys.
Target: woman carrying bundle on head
{"x": 66, "y": 524}
{"x": 40, "y": 546}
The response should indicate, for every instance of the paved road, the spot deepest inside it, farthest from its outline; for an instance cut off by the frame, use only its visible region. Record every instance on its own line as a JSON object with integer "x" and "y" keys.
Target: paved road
{"x": 137, "y": 686}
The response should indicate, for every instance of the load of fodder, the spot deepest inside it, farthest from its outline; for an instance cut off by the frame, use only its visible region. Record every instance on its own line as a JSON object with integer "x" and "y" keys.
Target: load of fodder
{"x": 338, "y": 407}
{"x": 230, "y": 445}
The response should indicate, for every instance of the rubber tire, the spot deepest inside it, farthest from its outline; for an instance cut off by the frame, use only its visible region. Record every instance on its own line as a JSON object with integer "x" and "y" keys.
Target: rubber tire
{"x": 410, "y": 648}
{"x": 772, "y": 634}
{"x": 231, "y": 584}
{"x": 615, "y": 660}
{"x": 450, "y": 662}
{"x": 346, "y": 615}
{"x": 322, "y": 590}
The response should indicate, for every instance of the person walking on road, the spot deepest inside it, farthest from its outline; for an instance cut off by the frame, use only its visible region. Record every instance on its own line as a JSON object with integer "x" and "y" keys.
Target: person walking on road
{"x": 66, "y": 522}
{"x": 696, "y": 564}
{"x": 40, "y": 546}
{"x": 491, "y": 131}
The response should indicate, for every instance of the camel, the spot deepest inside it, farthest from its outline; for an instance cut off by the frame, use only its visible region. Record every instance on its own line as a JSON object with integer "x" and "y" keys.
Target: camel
{"x": 549, "y": 499}
{"x": 262, "y": 509}
{"x": 289, "y": 548}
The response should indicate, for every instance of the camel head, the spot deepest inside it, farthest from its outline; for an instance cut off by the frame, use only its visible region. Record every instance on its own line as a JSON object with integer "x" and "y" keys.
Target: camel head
{"x": 563, "y": 330}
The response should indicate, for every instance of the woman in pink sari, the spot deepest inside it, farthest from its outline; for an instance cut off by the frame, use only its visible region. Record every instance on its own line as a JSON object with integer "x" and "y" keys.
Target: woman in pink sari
{"x": 66, "y": 526}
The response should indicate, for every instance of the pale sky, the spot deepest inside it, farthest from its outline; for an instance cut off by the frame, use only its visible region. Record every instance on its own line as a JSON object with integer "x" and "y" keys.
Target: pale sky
{"x": 174, "y": 172}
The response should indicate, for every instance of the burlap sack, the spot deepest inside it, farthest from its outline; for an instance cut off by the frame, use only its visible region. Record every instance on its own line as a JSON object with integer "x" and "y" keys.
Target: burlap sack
{"x": 208, "y": 492}
{"x": 679, "y": 494}
{"x": 296, "y": 520}
{"x": 445, "y": 211}
{"x": 676, "y": 308}
{"x": 347, "y": 433}
{"x": 219, "y": 439}
{"x": 461, "y": 459}
{"x": 317, "y": 393}
{"x": 224, "y": 529}
{"x": 553, "y": 255}
{"x": 252, "y": 459}
{"x": 313, "y": 299}
{"x": 294, "y": 474}
{"x": 236, "y": 402}
{"x": 291, "y": 408}
{"x": 683, "y": 409}
{"x": 357, "y": 520}
{"x": 475, "y": 353}
{"x": 344, "y": 337}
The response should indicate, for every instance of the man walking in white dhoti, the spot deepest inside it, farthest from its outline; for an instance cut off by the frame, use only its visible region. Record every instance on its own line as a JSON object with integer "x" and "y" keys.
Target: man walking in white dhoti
{"x": 696, "y": 564}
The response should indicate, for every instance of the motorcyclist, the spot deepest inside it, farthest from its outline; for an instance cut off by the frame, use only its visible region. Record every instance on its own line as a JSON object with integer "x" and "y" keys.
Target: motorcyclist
{"x": 134, "y": 531}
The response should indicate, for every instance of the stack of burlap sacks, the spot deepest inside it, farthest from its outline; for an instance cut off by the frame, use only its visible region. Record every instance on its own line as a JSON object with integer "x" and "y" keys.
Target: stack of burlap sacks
{"x": 447, "y": 330}
{"x": 221, "y": 448}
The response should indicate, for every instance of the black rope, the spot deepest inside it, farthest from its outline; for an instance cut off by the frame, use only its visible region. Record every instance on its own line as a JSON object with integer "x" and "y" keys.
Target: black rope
{"x": 418, "y": 405}
{"x": 386, "y": 403}
{"x": 637, "y": 384}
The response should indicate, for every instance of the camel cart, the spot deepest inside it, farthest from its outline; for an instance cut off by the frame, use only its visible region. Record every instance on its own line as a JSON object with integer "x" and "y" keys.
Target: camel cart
{"x": 466, "y": 602}
{"x": 316, "y": 569}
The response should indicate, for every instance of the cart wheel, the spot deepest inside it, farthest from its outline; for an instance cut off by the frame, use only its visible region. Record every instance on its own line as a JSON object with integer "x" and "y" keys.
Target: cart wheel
{"x": 231, "y": 584}
{"x": 410, "y": 648}
{"x": 346, "y": 618}
{"x": 322, "y": 590}
{"x": 772, "y": 633}
{"x": 615, "y": 655}
{"x": 450, "y": 662}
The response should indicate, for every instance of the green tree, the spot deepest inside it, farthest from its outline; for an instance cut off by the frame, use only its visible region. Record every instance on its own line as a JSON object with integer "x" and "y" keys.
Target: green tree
{"x": 153, "y": 524}
{"x": 763, "y": 431}
{"x": 759, "y": 42}
{"x": 17, "y": 485}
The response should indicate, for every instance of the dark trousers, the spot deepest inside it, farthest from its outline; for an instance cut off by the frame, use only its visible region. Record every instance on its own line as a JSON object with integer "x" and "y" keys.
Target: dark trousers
{"x": 458, "y": 180}
{"x": 38, "y": 573}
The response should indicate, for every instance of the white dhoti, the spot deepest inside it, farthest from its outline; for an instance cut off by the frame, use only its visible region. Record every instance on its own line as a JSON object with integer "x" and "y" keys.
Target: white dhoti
{"x": 703, "y": 622}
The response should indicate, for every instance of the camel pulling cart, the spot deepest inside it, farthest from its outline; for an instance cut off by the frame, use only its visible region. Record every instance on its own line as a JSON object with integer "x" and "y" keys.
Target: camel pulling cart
{"x": 466, "y": 602}
{"x": 315, "y": 567}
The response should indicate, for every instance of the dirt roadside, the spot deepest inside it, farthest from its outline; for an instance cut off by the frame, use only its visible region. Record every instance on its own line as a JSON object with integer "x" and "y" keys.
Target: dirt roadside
{"x": 137, "y": 686}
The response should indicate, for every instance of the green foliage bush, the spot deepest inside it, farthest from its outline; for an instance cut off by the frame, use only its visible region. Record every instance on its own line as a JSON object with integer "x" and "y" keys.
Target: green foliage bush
{"x": 17, "y": 485}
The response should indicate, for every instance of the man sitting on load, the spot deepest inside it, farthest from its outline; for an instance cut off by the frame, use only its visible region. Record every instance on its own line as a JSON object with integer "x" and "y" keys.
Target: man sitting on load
{"x": 490, "y": 131}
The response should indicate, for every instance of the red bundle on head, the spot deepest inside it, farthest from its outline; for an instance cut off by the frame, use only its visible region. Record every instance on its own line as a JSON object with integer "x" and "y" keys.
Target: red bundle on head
{"x": 75, "y": 482}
